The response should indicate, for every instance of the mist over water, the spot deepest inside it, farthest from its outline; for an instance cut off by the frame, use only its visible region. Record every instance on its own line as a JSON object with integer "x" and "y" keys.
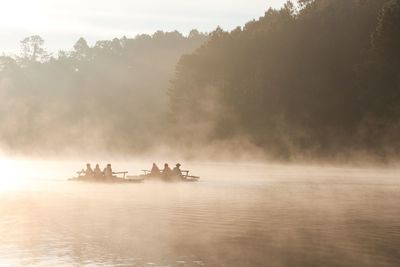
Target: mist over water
{"x": 313, "y": 81}
{"x": 236, "y": 215}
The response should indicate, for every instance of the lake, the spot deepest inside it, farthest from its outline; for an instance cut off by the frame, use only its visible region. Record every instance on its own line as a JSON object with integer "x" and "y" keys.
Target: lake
{"x": 236, "y": 215}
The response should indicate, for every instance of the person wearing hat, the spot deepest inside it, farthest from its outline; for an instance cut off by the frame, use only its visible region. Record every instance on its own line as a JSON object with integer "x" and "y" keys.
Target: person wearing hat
{"x": 177, "y": 171}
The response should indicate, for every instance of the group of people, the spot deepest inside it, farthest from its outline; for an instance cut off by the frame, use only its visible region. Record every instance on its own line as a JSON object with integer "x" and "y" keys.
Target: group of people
{"x": 97, "y": 172}
{"x": 167, "y": 172}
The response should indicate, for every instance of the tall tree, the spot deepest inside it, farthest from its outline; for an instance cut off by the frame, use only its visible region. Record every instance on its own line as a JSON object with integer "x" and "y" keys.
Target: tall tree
{"x": 33, "y": 50}
{"x": 81, "y": 49}
{"x": 286, "y": 81}
{"x": 386, "y": 38}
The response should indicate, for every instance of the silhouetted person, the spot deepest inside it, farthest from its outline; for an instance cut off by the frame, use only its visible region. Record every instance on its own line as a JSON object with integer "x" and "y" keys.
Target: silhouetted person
{"x": 108, "y": 171}
{"x": 177, "y": 171}
{"x": 97, "y": 172}
{"x": 167, "y": 172}
{"x": 89, "y": 171}
{"x": 155, "y": 171}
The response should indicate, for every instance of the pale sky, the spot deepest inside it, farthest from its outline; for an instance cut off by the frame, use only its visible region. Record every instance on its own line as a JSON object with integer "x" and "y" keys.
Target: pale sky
{"x": 62, "y": 22}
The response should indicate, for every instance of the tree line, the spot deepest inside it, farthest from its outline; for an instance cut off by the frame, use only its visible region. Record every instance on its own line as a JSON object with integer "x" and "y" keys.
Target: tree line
{"x": 105, "y": 97}
{"x": 316, "y": 78}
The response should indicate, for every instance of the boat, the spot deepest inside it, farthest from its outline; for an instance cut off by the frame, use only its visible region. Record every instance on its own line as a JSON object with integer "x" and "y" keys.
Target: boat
{"x": 147, "y": 175}
{"x": 82, "y": 177}
{"x": 185, "y": 177}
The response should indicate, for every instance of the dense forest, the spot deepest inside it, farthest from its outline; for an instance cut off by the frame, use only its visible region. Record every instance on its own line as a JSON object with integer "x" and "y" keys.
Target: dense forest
{"x": 101, "y": 98}
{"x": 313, "y": 79}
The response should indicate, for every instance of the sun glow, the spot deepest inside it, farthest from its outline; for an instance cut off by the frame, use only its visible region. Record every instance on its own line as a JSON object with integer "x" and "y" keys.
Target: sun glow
{"x": 9, "y": 175}
{"x": 21, "y": 173}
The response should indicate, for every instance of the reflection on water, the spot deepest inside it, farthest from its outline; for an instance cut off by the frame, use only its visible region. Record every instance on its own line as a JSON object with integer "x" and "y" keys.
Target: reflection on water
{"x": 247, "y": 215}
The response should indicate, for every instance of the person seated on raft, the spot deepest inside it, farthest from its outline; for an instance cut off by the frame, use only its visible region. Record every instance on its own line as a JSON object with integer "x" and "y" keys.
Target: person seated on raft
{"x": 167, "y": 172}
{"x": 89, "y": 171}
{"x": 97, "y": 172}
{"x": 155, "y": 171}
{"x": 177, "y": 171}
{"x": 108, "y": 171}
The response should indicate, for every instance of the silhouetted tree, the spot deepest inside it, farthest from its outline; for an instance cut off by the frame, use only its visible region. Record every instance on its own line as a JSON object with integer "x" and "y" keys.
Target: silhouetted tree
{"x": 104, "y": 97}
{"x": 287, "y": 81}
{"x": 81, "y": 49}
{"x": 386, "y": 38}
{"x": 32, "y": 49}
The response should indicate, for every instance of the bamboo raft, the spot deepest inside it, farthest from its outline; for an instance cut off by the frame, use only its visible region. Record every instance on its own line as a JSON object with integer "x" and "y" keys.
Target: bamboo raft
{"x": 185, "y": 177}
{"x": 82, "y": 177}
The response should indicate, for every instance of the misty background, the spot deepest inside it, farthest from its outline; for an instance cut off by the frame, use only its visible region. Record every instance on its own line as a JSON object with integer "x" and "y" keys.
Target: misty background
{"x": 313, "y": 79}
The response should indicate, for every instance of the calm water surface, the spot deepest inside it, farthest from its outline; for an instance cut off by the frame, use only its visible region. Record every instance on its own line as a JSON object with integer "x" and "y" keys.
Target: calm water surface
{"x": 237, "y": 215}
